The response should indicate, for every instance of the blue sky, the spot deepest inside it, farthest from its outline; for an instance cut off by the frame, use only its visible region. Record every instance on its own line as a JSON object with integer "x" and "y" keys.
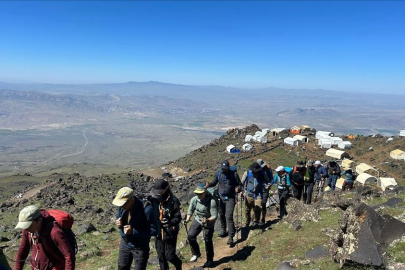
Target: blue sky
{"x": 347, "y": 46}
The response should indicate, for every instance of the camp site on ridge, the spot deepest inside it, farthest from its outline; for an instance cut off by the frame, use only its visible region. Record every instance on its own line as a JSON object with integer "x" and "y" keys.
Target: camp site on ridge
{"x": 379, "y": 181}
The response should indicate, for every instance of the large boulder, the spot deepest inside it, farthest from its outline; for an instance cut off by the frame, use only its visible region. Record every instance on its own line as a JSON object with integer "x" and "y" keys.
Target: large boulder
{"x": 364, "y": 236}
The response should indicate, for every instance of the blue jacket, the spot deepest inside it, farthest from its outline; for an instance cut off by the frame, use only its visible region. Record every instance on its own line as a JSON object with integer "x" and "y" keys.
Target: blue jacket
{"x": 348, "y": 176}
{"x": 277, "y": 179}
{"x": 260, "y": 183}
{"x": 143, "y": 222}
{"x": 320, "y": 172}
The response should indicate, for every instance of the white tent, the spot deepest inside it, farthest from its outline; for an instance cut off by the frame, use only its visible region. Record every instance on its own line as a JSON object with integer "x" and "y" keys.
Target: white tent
{"x": 365, "y": 178}
{"x": 303, "y": 139}
{"x": 319, "y": 134}
{"x": 292, "y": 141}
{"x": 402, "y": 133}
{"x": 339, "y": 183}
{"x": 384, "y": 182}
{"x": 397, "y": 154}
{"x": 247, "y": 147}
{"x": 230, "y": 147}
{"x": 363, "y": 167}
{"x": 335, "y": 140}
{"x": 324, "y": 143}
{"x": 338, "y": 154}
{"x": 278, "y": 131}
{"x": 345, "y": 145}
{"x": 248, "y": 138}
{"x": 259, "y": 138}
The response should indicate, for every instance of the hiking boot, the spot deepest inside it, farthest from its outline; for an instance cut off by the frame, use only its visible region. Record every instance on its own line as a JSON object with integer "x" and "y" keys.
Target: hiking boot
{"x": 262, "y": 223}
{"x": 223, "y": 234}
{"x": 230, "y": 241}
{"x": 255, "y": 224}
{"x": 208, "y": 264}
{"x": 194, "y": 258}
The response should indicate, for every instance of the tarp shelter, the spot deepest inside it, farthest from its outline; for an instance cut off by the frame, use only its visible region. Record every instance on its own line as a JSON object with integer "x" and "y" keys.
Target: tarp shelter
{"x": 291, "y": 141}
{"x": 351, "y": 136}
{"x": 345, "y": 145}
{"x": 335, "y": 140}
{"x": 347, "y": 164}
{"x": 248, "y": 138}
{"x": 278, "y": 131}
{"x": 295, "y": 130}
{"x": 320, "y": 134}
{"x": 247, "y": 147}
{"x": 384, "y": 182}
{"x": 230, "y": 147}
{"x": 324, "y": 143}
{"x": 365, "y": 178}
{"x": 305, "y": 128}
{"x": 338, "y": 154}
{"x": 402, "y": 133}
{"x": 364, "y": 168}
{"x": 397, "y": 154}
{"x": 339, "y": 183}
{"x": 303, "y": 139}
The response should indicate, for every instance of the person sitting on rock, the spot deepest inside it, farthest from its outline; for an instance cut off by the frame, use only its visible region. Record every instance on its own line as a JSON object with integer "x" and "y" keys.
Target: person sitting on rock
{"x": 282, "y": 178}
{"x": 229, "y": 186}
{"x": 137, "y": 223}
{"x": 256, "y": 183}
{"x": 205, "y": 210}
{"x": 349, "y": 179}
{"x": 170, "y": 218}
{"x": 334, "y": 172}
{"x": 49, "y": 244}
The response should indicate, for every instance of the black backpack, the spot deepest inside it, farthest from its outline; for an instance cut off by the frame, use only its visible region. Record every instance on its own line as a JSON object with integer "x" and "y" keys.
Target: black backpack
{"x": 154, "y": 201}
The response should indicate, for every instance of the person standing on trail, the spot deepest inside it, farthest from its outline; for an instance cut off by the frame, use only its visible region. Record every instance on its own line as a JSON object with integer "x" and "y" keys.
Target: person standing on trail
{"x": 298, "y": 179}
{"x": 170, "y": 218}
{"x": 309, "y": 182}
{"x": 137, "y": 223}
{"x": 267, "y": 170}
{"x": 282, "y": 178}
{"x": 205, "y": 210}
{"x": 333, "y": 170}
{"x": 320, "y": 175}
{"x": 229, "y": 186}
{"x": 49, "y": 244}
{"x": 256, "y": 184}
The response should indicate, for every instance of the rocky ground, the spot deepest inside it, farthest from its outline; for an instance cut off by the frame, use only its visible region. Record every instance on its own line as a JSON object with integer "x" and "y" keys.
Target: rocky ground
{"x": 362, "y": 228}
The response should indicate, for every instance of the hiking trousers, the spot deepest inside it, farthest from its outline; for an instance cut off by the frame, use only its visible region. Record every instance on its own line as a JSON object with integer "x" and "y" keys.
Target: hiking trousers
{"x": 127, "y": 254}
{"x": 193, "y": 232}
{"x": 332, "y": 181}
{"x": 308, "y": 189}
{"x": 347, "y": 185}
{"x": 166, "y": 252}
{"x": 283, "y": 196}
{"x": 264, "y": 207}
{"x": 297, "y": 191}
{"x": 250, "y": 203}
{"x": 226, "y": 209}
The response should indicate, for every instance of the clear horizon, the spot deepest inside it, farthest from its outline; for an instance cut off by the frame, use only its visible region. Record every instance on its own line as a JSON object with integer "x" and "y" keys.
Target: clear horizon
{"x": 337, "y": 46}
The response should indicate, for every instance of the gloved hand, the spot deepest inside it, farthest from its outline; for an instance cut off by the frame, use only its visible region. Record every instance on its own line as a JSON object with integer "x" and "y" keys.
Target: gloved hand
{"x": 165, "y": 222}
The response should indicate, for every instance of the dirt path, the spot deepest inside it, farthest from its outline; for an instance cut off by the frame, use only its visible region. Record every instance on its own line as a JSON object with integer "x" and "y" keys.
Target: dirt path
{"x": 34, "y": 191}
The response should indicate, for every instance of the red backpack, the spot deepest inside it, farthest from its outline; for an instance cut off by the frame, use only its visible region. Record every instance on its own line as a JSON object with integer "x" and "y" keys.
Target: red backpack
{"x": 65, "y": 221}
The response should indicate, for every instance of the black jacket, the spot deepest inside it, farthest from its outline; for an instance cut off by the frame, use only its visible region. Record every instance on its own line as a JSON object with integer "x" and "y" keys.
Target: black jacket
{"x": 170, "y": 210}
{"x": 227, "y": 183}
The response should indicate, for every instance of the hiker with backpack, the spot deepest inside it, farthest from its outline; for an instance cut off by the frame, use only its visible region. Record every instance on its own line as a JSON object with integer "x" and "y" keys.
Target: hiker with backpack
{"x": 320, "y": 176}
{"x": 50, "y": 244}
{"x": 298, "y": 179}
{"x": 309, "y": 182}
{"x": 282, "y": 178}
{"x": 229, "y": 186}
{"x": 205, "y": 210}
{"x": 333, "y": 170}
{"x": 349, "y": 179}
{"x": 137, "y": 223}
{"x": 256, "y": 184}
{"x": 169, "y": 218}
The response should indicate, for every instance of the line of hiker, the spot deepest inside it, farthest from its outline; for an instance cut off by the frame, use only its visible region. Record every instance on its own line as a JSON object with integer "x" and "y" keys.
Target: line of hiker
{"x": 140, "y": 217}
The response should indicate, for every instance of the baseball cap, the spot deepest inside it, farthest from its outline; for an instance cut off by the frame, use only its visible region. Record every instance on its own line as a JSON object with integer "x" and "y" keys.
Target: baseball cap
{"x": 160, "y": 185}
{"x": 225, "y": 165}
{"x": 261, "y": 162}
{"x": 279, "y": 169}
{"x": 200, "y": 189}
{"x": 317, "y": 162}
{"x": 27, "y": 216}
{"x": 123, "y": 195}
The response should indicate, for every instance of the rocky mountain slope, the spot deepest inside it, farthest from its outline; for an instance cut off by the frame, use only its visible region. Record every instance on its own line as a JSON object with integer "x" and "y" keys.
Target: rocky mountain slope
{"x": 341, "y": 216}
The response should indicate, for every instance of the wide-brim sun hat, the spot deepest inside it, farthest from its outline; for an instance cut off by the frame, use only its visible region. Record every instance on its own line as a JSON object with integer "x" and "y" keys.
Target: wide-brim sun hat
{"x": 200, "y": 189}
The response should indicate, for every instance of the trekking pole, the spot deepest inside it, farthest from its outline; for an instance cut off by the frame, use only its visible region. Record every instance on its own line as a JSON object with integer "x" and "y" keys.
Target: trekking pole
{"x": 185, "y": 226}
{"x": 237, "y": 221}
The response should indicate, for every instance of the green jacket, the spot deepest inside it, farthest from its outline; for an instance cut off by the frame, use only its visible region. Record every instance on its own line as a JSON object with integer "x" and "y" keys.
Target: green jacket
{"x": 206, "y": 208}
